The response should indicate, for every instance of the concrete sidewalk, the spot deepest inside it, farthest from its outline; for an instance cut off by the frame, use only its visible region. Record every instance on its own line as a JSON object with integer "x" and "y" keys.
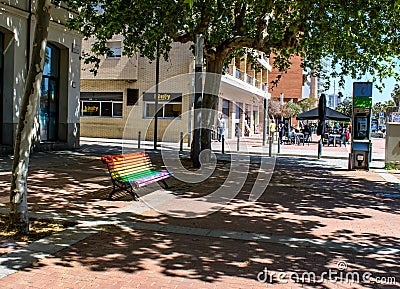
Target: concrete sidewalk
{"x": 313, "y": 215}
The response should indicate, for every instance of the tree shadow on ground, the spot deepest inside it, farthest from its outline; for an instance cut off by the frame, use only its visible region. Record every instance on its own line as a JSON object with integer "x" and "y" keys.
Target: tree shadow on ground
{"x": 304, "y": 199}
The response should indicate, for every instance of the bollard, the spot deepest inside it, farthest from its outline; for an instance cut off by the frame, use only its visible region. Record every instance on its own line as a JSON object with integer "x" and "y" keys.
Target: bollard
{"x": 181, "y": 143}
{"x": 238, "y": 142}
{"x": 271, "y": 139}
{"x": 279, "y": 145}
{"x": 319, "y": 148}
{"x": 138, "y": 140}
{"x": 223, "y": 144}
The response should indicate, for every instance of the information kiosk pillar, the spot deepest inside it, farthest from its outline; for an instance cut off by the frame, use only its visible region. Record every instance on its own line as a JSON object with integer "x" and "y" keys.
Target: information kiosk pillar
{"x": 361, "y": 146}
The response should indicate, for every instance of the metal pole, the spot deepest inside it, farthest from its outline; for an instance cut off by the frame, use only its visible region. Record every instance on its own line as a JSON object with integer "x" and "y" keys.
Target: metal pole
{"x": 138, "y": 142}
{"x": 197, "y": 100}
{"x": 238, "y": 141}
{"x": 270, "y": 145}
{"x": 279, "y": 145}
{"x": 181, "y": 143}
{"x": 223, "y": 144}
{"x": 156, "y": 100}
{"x": 265, "y": 121}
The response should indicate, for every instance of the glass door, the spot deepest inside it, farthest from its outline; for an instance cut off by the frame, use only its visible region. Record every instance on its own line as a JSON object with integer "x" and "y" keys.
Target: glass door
{"x": 49, "y": 96}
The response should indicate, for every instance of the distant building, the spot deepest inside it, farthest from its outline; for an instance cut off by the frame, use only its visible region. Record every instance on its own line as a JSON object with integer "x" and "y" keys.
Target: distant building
{"x": 290, "y": 84}
{"x": 332, "y": 100}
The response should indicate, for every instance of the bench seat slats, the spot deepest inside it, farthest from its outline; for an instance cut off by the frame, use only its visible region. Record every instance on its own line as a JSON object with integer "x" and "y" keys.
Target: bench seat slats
{"x": 122, "y": 164}
{"x": 156, "y": 178}
{"x": 136, "y": 176}
{"x": 132, "y": 171}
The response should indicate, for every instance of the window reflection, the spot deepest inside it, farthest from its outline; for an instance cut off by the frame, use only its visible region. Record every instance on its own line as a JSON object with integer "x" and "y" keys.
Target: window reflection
{"x": 49, "y": 95}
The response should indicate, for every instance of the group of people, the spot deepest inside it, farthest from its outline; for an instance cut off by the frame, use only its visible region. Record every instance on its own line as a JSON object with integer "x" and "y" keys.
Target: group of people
{"x": 290, "y": 133}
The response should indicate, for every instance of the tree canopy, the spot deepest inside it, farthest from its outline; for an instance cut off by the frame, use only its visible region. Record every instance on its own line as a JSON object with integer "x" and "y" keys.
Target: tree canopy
{"x": 396, "y": 94}
{"x": 345, "y": 106}
{"x": 358, "y": 36}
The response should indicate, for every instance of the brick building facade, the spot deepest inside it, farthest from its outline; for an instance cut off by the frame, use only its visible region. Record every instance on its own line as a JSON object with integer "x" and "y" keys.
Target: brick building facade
{"x": 291, "y": 82}
{"x": 119, "y": 101}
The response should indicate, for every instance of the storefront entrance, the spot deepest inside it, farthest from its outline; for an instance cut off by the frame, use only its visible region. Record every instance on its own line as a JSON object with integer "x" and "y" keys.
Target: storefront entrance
{"x": 49, "y": 95}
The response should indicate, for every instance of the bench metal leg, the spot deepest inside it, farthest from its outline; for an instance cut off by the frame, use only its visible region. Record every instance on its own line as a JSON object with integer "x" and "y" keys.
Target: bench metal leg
{"x": 132, "y": 192}
{"x": 127, "y": 188}
{"x": 165, "y": 184}
{"x": 114, "y": 190}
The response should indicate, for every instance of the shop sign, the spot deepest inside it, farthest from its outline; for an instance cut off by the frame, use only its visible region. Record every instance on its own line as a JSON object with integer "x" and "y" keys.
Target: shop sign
{"x": 162, "y": 96}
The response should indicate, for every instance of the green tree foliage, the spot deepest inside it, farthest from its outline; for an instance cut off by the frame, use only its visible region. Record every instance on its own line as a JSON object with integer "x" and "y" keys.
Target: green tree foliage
{"x": 307, "y": 104}
{"x": 291, "y": 109}
{"x": 359, "y": 36}
{"x": 377, "y": 108}
{"x": 346, "y": 106}
{"x": 396, "y": 94}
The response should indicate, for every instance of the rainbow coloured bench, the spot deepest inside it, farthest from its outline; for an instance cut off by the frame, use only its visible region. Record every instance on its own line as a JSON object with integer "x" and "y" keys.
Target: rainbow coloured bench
{"x": 132, "y": 171}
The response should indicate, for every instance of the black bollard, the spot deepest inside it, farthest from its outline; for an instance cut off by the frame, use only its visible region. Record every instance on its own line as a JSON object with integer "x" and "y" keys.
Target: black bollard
{"x": 138, "y": 140}
{"x": 238, "y": 143}
{"x": 271, "y": 140}
{"x": 223, "y": 144}
{"x": 181, "y": 143}
{"x": 319, "y": 148}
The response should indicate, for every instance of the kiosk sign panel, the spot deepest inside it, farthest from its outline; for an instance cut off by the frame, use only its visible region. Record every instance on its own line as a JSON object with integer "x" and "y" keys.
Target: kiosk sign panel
{"x": 361, "y": 135}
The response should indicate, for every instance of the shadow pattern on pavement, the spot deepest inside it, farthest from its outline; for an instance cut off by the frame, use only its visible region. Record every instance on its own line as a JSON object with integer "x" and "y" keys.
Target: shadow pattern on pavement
{"x": 305, "y": 199}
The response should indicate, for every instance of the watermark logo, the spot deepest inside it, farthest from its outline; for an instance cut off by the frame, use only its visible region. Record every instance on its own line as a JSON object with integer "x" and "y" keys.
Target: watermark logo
{"x": 172, "y": 124}
{"x": 339, "y": 275}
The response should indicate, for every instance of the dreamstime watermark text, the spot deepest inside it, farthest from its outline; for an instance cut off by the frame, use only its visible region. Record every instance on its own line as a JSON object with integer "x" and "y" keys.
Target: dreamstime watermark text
{"x": 339, "y": 275}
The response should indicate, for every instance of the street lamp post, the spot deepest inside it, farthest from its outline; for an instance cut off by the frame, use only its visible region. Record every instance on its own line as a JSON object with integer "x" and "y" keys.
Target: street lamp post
{"x": 156, "y": 100}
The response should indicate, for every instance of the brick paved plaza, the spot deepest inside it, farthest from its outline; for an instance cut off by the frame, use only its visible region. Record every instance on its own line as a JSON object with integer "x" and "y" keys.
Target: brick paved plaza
{"x": 313, "y": 216}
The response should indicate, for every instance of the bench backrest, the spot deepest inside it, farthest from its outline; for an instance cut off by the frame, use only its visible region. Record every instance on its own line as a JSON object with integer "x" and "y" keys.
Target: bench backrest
{"x": 128, "y": 164}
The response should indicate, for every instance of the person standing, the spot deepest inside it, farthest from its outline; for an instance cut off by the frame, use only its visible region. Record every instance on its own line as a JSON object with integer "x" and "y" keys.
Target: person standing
{"x": 272, "y": 128}
{"x": 220, "y": 127}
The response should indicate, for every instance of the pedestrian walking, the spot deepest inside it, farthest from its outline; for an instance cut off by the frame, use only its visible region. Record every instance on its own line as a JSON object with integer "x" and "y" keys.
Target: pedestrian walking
{"x": 220, "y": 127}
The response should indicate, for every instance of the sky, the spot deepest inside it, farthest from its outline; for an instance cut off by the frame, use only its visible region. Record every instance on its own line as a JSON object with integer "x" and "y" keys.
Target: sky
{"x": 376, "y": 95}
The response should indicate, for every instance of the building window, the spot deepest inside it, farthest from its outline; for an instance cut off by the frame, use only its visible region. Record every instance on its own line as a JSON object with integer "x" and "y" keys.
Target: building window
{"x": 225, "y": 107}
{"x": 97, "y": 104}
{"x": 169, "y": 105}
{"x": 49, "y": 95}
{"x": 132, "y": 96}
{"x": 238, "y": 111}
{"x": 115, "y": 49}
{"x": 165, "y": 110}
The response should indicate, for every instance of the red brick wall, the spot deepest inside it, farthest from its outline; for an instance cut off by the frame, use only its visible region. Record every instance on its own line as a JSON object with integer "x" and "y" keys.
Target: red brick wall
{"x": 290, "y": 83}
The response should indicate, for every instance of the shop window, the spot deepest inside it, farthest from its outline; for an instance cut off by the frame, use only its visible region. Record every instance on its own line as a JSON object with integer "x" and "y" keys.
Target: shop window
{"x": 117, "y": 109}
{"x": 101, "y": 104}
{"x": 165, "y": 110}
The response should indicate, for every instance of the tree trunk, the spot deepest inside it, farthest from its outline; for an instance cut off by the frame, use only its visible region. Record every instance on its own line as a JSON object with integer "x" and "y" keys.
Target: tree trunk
{"x": 19, "y": 218}
{"x": 210, "y": 99}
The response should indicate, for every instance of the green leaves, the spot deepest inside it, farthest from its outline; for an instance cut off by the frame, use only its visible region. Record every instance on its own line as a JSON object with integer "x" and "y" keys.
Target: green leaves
{"x": 358, "y": 36}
